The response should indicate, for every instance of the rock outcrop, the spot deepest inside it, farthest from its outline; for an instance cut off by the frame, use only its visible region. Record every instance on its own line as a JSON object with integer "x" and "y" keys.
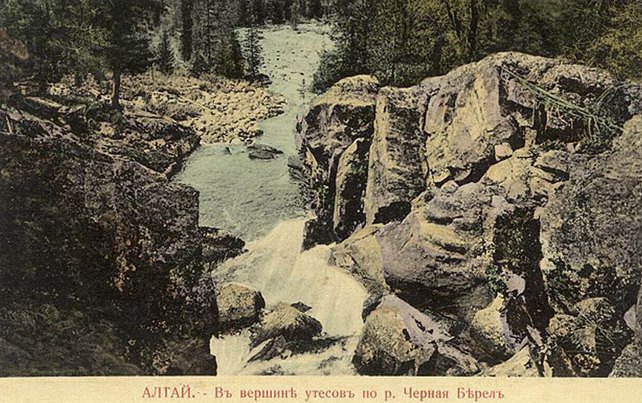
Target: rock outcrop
{"x": 92, "y": 228}
{"x": 336, "y": 120}
{"x": 503, "y": 195}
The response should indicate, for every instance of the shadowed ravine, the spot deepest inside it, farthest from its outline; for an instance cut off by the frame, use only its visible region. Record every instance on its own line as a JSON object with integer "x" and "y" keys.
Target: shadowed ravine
{"x": 257, "y": 198}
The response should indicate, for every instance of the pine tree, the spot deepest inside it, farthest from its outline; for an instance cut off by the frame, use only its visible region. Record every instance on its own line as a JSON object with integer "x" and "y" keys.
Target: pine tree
{"x": 216, "y": 47}
{"x": 252, "y": 45}
{"x": 127, "y": 50}
{"x": 61, "y": 36}
{"x": 187, "y": 7}
{"x": 230, "y": 58}
{"x": 166, "y": 59}
{"x": 276, "y": 12}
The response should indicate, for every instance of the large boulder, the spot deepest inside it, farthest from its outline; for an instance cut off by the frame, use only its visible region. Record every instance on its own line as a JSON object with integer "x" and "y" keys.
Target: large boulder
{"x": 397, "y": 339}
{"x": 468, "y": 116}
{"x": 258, "y": 151}
{"x": 289, "y": 323}
{"x": 591, "y": 231}
{"x": 218, "y": 247}
{"x": 435, "y": 257}
{"x": 238, "y": 306}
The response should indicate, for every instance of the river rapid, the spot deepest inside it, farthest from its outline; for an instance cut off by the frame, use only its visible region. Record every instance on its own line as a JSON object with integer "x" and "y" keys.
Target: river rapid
{"x": 258, "y": 201}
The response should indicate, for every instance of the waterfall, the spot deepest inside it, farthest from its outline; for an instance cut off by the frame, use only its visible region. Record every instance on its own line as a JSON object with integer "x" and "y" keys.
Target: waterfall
{"x": 258, "y": 201}
{"x": 277, "y": 267}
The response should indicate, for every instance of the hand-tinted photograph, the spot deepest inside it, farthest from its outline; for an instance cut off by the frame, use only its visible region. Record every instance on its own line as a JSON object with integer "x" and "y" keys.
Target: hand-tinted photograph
{"x": 321, "y": 187}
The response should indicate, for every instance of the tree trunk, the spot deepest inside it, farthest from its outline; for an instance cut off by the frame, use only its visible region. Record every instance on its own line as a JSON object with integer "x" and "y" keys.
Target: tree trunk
{"x": 186, "y": 36}
{"x": 115, "y": 94}
{"x": 472, "y": 31}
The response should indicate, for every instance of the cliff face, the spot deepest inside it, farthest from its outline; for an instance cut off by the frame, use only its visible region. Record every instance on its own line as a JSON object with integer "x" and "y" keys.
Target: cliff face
{"x": 503, "y": 196}
{"x": 101, "y": 257}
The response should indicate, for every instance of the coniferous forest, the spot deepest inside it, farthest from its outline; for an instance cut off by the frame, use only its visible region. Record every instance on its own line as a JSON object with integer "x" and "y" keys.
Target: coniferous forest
{"x": 400, "y": 41}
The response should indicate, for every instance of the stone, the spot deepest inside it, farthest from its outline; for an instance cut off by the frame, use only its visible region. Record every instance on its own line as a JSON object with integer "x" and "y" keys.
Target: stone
{"x": 519, "y": 365}
{"x": 451, "y": 359}
{"x": 361, "y": 255}
{"x": 301, "y": 306}
{"x": 288, "y": 322}
{"x": 350, "y": 188}
{"x": 399, "y": 340}
{"x": 503, "y": 151}
{"x": 397, "y": 168}
{"x": 513, "y": 175}
{"x": 238, "y": 306}
{"x": 257, "y": 151}
{"x": 296, "y": 168}
{"x": 490, "y": 330}
{"x": 555, "y": 162}
{"x": 627, "y": 364}
{"x": 219, "y": 247}
{"x": 592, "y": 336}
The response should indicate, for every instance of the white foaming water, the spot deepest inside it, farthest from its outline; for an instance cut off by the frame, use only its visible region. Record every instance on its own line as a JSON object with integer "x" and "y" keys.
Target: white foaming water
{"x": 276, "y": 266}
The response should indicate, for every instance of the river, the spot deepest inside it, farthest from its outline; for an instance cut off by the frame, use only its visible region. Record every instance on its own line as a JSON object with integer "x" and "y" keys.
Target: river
{"x": 258, "y": 201}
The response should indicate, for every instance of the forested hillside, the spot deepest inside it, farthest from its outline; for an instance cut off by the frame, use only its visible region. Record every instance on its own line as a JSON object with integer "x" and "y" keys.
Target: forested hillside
{"x": 83, "y": 37}
{"x": 403, "y": 41}
{"x": 400, "y": 41}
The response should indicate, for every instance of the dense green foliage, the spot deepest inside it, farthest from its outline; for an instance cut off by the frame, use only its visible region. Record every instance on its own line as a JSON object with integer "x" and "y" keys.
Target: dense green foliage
{"x": 61, "y": 36}
{"x": 85, "y": 36}
{"x": 403, "y": 41}
{"x": 399, "y": 41}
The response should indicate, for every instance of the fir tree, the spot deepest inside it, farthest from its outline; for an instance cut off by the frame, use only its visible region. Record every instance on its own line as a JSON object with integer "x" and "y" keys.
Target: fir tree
{"x": 187, "y": 7}
{"x": 166, "y": 59}
{"x": 252, "y": 45}
{"x": 127, "y": 50}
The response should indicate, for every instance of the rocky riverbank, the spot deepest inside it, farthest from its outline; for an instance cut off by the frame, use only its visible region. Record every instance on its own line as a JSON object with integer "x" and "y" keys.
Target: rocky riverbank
{"x": 492, "y": 213}
{"x": 104, "y": 269}
{"x": 217, "y": 109}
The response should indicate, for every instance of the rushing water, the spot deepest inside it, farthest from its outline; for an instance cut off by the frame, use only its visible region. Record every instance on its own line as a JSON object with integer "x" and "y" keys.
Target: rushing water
{"x": 258, "y": 201}
{"x": 276, "y": 266}
{"x": 248, "y": 197}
